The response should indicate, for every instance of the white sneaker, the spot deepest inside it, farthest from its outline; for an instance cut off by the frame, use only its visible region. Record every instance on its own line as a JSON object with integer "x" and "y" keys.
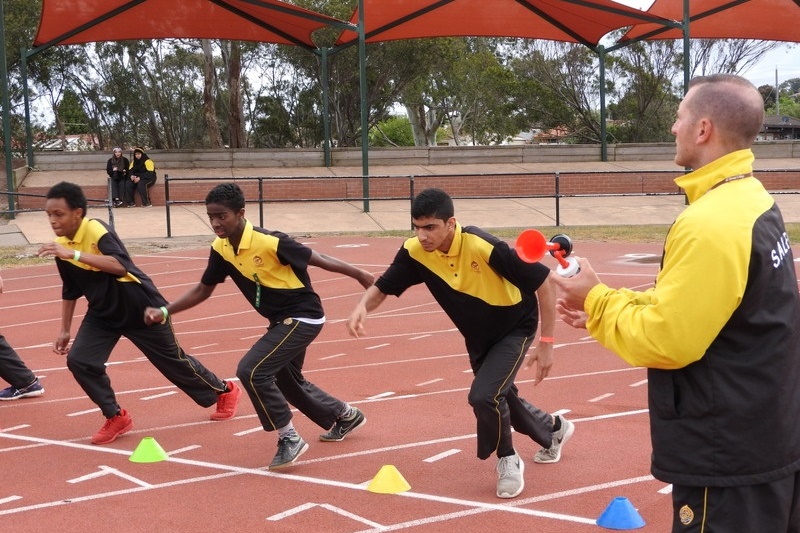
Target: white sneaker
{"x": 509, "y": 476}
{"x": 560, "y": 437}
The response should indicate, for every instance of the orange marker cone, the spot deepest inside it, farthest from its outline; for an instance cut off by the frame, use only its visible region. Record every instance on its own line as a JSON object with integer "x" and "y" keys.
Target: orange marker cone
{"x": 388, "y": 480}
{"x": 148, "y": 451}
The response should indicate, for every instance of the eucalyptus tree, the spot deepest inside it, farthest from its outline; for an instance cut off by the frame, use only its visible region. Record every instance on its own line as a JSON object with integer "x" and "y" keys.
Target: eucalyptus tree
{"x": 562, "y": 86}
{"x": 646, "y": 91}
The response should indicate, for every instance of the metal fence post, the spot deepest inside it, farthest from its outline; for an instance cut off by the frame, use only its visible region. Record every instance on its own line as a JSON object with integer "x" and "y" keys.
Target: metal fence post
{"x": 558, "y": 199}
{"x": 166, "y": 204}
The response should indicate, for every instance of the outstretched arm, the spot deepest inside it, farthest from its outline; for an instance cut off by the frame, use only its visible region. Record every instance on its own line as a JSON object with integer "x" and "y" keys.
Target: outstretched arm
{"x": 336, "y": 265}
{"x": 372, "y": 298}
{"x": 192, "y": 297}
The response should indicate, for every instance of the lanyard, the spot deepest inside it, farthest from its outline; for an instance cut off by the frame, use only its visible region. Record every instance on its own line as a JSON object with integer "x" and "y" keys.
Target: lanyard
{"x": 258, "y": 290}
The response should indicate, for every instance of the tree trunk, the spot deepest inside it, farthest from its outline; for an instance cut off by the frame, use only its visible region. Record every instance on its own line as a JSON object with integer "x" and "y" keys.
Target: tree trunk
{"x": 235, "y": 107}
{"x": 209, "y": 110}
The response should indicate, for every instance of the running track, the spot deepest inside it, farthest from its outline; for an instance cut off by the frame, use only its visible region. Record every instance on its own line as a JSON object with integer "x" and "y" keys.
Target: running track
{"x": 410, "y": 376}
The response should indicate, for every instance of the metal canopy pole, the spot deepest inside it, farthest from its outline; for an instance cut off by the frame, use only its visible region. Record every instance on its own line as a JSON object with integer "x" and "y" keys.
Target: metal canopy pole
{"x": 6, "y": 113}
{"x": 362, "y": 74}
{"x": 326, "y": 106}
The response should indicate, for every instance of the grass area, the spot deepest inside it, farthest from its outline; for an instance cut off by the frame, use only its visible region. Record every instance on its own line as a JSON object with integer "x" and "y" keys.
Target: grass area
{"x": 12, "y": 256}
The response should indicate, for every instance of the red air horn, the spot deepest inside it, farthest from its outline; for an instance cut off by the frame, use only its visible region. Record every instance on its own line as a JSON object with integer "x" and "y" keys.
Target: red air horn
{"x": 531, "y": 246}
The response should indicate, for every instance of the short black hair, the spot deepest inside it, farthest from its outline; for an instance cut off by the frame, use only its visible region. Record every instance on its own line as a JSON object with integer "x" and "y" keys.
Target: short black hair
{"x": 434, "y": 203}
{"x": 73, "y": 194}
{"x": 228, "y": 194}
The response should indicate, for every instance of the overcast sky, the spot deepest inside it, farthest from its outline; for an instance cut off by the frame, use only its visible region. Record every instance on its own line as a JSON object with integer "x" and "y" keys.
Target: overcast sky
{"x": 786, "y": 59}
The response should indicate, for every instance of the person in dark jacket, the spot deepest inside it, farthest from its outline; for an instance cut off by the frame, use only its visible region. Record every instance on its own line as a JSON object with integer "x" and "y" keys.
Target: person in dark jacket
{"x": 117, "y": 170}
{"x": 720, "y": 330}
{"x": 142, "y": 175}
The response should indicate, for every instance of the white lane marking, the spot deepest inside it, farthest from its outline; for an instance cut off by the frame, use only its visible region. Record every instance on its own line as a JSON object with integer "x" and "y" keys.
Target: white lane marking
{"x": 329, "y": 507}
{"x": 601, "y": 397}
{"x": 440, "y": 456}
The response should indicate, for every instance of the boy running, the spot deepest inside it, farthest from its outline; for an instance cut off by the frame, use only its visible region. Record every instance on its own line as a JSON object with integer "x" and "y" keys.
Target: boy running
{"x": 271, "y": 270}
{"x": 93, "y": 262}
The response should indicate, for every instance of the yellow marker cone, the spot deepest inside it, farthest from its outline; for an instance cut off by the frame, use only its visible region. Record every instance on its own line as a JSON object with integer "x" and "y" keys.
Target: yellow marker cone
{"x": 148, "y": 451}
{"x": 388, "y": 481}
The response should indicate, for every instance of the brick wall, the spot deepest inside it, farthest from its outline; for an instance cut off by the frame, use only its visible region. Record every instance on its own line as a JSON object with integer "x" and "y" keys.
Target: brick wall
{"x": 397, "y": 187}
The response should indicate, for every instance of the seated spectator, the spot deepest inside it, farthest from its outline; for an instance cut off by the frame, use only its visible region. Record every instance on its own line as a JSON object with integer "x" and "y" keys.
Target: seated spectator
{"x": 142, "y": 175}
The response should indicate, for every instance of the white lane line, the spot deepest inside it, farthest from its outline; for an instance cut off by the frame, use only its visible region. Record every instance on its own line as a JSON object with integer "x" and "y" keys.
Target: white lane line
{"x": 601, "y": 397}
{"x": 108, "y": 471}
{"x": 9, "y": 499}
{"x": 440, "y": 456}
{"x": 384, "y": 345}
{"x": 639, "y": 383}
{"x": 329, "y": 507}
{"x": 195, "y": 348}
{"x": 381, "y": 395}
{"x": 248, "y": 432}
{"x": 334, "y": 356}
{"x": 184, "y": 449}
{"x": 87, "y": 412}
{"x": 156, "y": 396}
{"x": 437, "y": 380}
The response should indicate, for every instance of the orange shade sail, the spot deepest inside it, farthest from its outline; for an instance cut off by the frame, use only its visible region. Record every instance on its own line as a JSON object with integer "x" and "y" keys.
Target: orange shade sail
{"x": 583, "y": 22}
{"x": 270, "y": 21}
{"x": 770, "y": 20}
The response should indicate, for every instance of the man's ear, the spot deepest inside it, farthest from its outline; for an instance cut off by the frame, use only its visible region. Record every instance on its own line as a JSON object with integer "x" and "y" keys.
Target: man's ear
{"x": 704, "y": 130}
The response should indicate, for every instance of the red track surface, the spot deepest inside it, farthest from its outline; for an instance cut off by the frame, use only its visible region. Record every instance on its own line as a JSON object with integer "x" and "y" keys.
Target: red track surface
{"x": 410, "y": 376}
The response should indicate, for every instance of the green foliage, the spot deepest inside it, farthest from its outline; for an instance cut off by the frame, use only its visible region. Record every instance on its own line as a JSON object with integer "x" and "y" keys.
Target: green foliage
{"x": 272, "y": 128}
{"x": 72, "y": 115}
{"x": 394, "y": 131}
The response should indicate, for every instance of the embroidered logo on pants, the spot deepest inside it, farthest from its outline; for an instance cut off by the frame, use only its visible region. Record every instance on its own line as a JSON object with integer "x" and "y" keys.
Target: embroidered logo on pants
{"x": 686, "y": 515}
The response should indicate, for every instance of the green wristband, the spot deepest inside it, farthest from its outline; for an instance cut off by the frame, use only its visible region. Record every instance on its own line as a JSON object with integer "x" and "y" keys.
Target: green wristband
{"x": 164, "y": 314}
{"x": 76, "y": 256}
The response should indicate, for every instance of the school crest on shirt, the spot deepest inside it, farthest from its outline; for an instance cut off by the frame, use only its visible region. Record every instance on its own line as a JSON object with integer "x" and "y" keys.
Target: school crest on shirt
{"x": 258, "y": 261}
{"x": 475, "y": 267}
{"x": 686, "y": 515}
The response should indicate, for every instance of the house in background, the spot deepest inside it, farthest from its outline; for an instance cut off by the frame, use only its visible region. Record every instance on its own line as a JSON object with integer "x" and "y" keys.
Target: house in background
{"x": 779, "y": 128}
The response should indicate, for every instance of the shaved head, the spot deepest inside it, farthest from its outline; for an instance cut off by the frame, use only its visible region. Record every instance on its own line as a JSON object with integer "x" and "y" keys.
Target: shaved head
{"x": 732, "y": 104}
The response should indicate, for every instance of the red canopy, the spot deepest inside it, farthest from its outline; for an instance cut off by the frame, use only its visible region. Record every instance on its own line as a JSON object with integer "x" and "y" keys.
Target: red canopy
{"x": 558, "y": 20}
{"x": 769, "y": 20}
{"x": 271, "y": 21}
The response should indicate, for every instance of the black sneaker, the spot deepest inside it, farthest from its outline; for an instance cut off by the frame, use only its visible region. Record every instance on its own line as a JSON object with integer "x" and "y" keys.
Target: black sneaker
{"x": 345, "y": 425}
{"x": 289, "y": 449}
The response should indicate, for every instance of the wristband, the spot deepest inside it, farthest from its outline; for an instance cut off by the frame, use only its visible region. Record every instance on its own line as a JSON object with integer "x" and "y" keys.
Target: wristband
{"x": 547, "y": 339}
{"x": 77, "y": 256}
{"x": 164, "y": 314}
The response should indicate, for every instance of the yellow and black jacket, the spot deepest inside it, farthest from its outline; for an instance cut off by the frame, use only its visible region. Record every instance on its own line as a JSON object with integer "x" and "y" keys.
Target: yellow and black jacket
{"x": 119, "y": 301}
{"x": 485, "y": 289}
{"x": 719, "y": 332}
{"x": 270, "y": 269}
